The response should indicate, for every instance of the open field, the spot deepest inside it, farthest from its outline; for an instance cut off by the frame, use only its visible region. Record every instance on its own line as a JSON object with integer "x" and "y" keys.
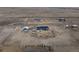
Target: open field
{"x": 60, "y": 39}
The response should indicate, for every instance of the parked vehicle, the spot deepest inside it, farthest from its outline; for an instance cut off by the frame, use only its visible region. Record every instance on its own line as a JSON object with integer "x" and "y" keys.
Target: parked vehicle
{"x": 42, "y": 28}
{"x": 61, "y": 19}
{"x": 25, "y": 29}
{"x": 71, "y": 26}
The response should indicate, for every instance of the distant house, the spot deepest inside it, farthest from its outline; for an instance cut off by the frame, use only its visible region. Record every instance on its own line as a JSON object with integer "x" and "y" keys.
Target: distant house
{"x": 37, "y": 21}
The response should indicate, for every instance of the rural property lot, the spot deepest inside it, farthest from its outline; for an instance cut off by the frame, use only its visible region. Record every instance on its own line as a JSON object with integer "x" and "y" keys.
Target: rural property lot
{"x": 57, "y": 39}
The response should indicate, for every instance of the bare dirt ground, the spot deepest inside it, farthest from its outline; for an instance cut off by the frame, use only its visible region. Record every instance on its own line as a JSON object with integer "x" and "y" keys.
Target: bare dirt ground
{"x": 65, "y": 40}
